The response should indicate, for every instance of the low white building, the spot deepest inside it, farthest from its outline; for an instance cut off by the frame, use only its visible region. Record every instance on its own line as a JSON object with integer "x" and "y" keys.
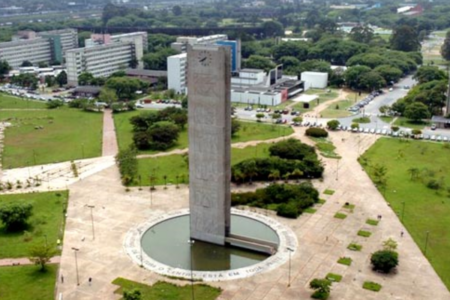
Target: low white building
{"x": 176, "y": 73}
{"x": 314, "y": 80}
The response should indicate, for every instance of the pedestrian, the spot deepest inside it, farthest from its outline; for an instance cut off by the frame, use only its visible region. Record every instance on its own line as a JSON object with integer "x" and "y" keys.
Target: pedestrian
{"x": 401, "y": 234}
{"x": 62, "y": 278}
{"x": 90, "y": 281}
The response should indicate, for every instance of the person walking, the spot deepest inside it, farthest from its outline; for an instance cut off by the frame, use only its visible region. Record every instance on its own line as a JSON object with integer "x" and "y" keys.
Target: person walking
{"x": 90, "y": 281}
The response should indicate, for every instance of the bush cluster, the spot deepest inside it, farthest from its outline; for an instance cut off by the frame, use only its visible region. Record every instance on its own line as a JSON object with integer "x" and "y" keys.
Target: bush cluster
{"x": 158, "y": 130}
{"x": 289, "y": 159}
{"x": 289, "y": 200}
{"x": 316, "y": 132}
{"x": 128, "y": 165}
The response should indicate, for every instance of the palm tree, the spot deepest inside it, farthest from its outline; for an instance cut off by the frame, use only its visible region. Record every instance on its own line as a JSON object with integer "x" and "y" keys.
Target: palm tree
{"x": 274, "y": 175}
{"x": 297, "y": 174}
{"x": 249, "y": 170}
{"x": 286, "y": 177}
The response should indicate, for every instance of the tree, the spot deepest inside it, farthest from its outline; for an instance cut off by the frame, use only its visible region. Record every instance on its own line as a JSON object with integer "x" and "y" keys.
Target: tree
{"x": 41, "y": 254}
{"x": 298, "y": 50}
{"x": 235, "y": 126}
{"x": 26, "y": 63}
{"x": 158, "y": 60}
{"x": 276, "y": 116}
{"x": 133, "y": 62}
{"x": 163, "y": 135}
{"x": 429, "y": 73}
{"x": 384, "y": 260}
{"x": 61, "y": 78}
{"x": 274, "y": 175}
{"x": 4, "y": 68}
{"x": 108, "y": 96}
{"x": 384, "y": 109}
{"x": 417, "y": 111}
{"x": 297, "y": 119}
{"x": 176, "y": 10}
{"x": 85, "y": 78}
{"x": 354, "y": 125}
{"x": 273, "y": 28}
{"x": 322, "y": 288}
{"x": 124, "y": 87}
{"x": 445, "y": 48}
{"x": 405, "y": 38}
{"x": 333, "y": 124}
{"x": 14, "y": 216}
{"x": 371, "y": 81}
{"x": 134, "y": 294}
{"x": 259, "y": 62}
{"x": 361, "y": 34}
{"x": 379, "y": 174}
{"x": 389, "y": 73}
{"x": 128, "y": 164}
{"x": 353, "y": 74}
{"x": 314, "y": 65}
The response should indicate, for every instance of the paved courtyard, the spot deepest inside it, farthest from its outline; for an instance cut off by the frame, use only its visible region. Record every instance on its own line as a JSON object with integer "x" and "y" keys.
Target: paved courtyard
{"x": 322, "y": 239}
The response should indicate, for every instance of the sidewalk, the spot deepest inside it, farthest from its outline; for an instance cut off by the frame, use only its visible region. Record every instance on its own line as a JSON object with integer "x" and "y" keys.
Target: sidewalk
{"x": 110, "y": 147}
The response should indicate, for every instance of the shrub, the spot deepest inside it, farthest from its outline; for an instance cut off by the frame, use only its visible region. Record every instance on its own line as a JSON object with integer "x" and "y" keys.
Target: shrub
{"x": 316, "y": 132}
{"x": 15, "y": 216}
{"x": 384, "y": 260}
{"x": 54, "y": 104}
{"x": 292, "y": 149}
{"x": 345, "y": 261}
{"x": 128, "y": 165}
{"x": 395, "y": 128}
{"x": 433, "y": 184}
{"x": 354, "y": 125}
{"x": 289, "y": 200}
{"x": 372, "y": 286}
{"x": 333, "y": 124}
{"x": 334, "y": 277}
{"x": 322, "y": 287}
{"x": 354, "y": 247}
{"x": 288, "y": 210}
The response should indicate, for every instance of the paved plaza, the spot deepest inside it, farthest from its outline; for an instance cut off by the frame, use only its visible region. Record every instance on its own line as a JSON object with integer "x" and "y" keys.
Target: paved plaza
{"x": 322, "y": 239}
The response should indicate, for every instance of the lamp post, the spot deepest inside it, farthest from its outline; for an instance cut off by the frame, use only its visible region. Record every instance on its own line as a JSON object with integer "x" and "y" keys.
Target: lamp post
{"x": 191, "y": 244}
{"x": 426, "y": 243}
{"x": 92, "y": 220}
{"x": 76, "y": 263}
{"x": 289, "y": 274}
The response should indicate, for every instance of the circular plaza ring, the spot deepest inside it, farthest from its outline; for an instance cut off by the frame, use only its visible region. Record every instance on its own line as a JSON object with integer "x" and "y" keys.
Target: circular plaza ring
{"x": 162, "y": 245}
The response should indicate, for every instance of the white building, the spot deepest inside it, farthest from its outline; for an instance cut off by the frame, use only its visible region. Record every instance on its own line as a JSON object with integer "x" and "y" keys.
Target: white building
{"x": 315, "y": 80}
{"x": 100, "y": 61}
{"x": 176, "y": 73}
{"x": 45, "y": 46}
{"x": 181, "y": 44}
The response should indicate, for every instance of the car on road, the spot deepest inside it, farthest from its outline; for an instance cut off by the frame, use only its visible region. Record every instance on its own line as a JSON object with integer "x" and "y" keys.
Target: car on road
{"x": 138, "y": 105}
{"x": 433, "y": 127}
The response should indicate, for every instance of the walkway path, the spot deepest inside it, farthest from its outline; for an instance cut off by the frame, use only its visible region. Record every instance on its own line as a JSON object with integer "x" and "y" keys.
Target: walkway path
{"x": 25, "y": 261}
{"x": 110, "y": 147}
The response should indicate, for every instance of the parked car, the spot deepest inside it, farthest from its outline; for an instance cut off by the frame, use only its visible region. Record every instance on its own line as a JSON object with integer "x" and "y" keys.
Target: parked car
{"x": 433, "y": 127}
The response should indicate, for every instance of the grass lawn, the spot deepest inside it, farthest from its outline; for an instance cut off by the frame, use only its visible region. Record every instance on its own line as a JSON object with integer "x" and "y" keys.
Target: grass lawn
{"x": 328, "y": 192}
{"x": 334, "y": 277}
{"x": 372, "y": 286}
{"x": 386, "y": 119}
{"x": 249, "y": 131}
{"x": 45, "y": 224}
{"x": 361, "y": 120}
{"x": 8, "y": 101}
{"x": 364, "y": 233}
{"x": 340, "y": 216}
{"x": 67, "y": 134}
{"x": 176, "y": 165}
{"x": 27, "y": 283}
{"x": 372, "y": 222}
{"x": 326, "y": 148}
{"x": 347, "y": 261}
{"x": 354, "y": 247}
{"x": 167, "y": 291}
{"x": 404, "y": 122}
{"x": 425, "y": 209}
{"x": 337, "y": 110}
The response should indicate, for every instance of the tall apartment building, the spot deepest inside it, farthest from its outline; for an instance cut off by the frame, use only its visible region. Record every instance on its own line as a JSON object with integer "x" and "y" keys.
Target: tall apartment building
{"x": 176, "y": 73}
{"x": 46, "y": 46}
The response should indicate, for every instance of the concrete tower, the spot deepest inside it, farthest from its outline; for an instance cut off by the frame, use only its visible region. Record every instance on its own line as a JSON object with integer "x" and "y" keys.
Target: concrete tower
{"x": 208, "y": 81}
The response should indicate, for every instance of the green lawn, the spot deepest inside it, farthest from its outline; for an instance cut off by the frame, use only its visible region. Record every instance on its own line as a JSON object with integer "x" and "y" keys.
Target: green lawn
{"x": 66, "y": 134}
{"x": 404, "y": 122}
{"x": 337, "y": 110}
{"x": 249, "y": 131}
{"x": 167, "y": 291}
{"x": 176, "y": 165}
{"x": 7, "y": 101}
{"x": 46, "y": 223}
{"x": 425, "y": 209}
{"x": 27, "y": 283}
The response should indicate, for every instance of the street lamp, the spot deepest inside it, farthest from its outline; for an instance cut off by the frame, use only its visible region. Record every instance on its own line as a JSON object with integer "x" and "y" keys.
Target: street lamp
{"x": 191, "y": 244}
{"x": 92, "y": 220}
{"x": 76, "y": 263}
{"x": 426, "y": 243}
{"x": 289, "y": 274}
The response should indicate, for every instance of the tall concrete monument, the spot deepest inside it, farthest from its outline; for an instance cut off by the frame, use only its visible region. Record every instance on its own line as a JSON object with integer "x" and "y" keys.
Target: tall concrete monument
{"x": 209, "y": 74}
